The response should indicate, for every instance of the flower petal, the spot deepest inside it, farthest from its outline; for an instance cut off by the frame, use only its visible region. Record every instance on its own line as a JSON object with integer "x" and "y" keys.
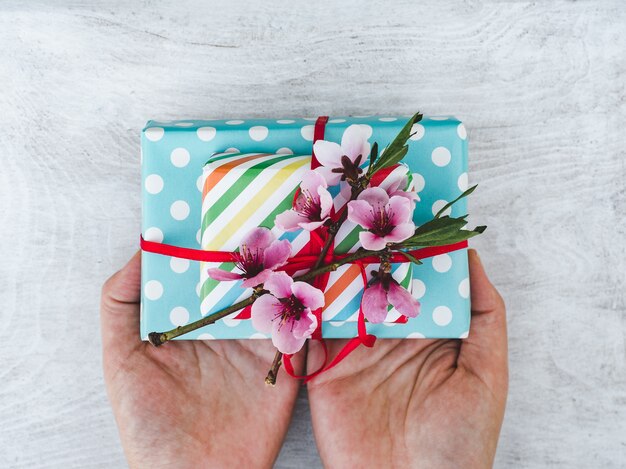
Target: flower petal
{"x": 375, "y": 196}
{"x": 308, "y": 295}
{"x": 311, "y": 181}
{"x": 326, "y": 201}
{"x": 223, "y": 275}
{"x": 400, "y": 233}
{"x": 371, "y": 241}
{"x": 258, "y": 279}
{"x": 328, "y": 153}
{"x": 402, "y": 300}
{"x": 258, "y": 239}
{"x": 400, "y": 210}
{"x": 394, "y": 183}
{"x": 374, "y": 303}
{"x": 312, "y": 225}
{"x": 360, "y": 212}
{"x": 332, "y": 179}
{"x": 277, "y": 254}
{"x": 307, "y": 324}
{"x": 353, "y": 142}
{"x": 289, "y": 220}
{"x": 279, "y": 284}
{"x": 265, "y": 311}
{"x": 412, "y": 196}
{"x": 283, "y": 338}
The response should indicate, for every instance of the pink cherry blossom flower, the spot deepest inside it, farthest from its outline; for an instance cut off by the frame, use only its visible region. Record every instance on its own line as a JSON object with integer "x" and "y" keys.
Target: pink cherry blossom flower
{"x": 341, "y": 162}
{"x": 397, "y": 187}
{"x": 259, "y": 254}
{"x": 384, "y": 290}
{"x": 386, "y": 219}
{"x": 312, "y": 206}
{"x": 286, "y": 312}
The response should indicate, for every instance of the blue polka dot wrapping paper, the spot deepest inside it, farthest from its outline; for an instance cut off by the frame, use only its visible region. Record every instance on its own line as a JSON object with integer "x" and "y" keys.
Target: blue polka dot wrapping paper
{"x": 174, "y": 154}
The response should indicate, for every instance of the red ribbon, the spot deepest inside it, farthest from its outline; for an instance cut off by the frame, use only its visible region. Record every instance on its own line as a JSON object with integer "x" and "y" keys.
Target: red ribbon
{"x": 304, "y": 261}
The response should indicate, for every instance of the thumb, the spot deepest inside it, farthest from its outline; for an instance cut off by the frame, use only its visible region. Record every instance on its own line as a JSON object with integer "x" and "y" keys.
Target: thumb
{"x": 119, "y": 307}
{"x": 484, "y": 352}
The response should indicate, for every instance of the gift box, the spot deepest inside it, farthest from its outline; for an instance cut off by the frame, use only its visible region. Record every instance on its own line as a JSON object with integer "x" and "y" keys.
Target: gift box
{"x": 177, "y": 160}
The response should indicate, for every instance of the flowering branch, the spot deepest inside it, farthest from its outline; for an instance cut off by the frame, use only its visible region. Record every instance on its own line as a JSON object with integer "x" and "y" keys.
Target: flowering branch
{"x": 159, "y": 338}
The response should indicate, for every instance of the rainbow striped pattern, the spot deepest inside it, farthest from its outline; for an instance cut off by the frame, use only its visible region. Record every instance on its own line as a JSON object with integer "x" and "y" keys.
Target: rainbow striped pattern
{"x": 243, "y": 191}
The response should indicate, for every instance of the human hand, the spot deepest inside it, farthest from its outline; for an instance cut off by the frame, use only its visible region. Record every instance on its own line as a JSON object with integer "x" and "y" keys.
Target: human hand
{"x": 417, "y": 403}
{"x": 189, "y": 403}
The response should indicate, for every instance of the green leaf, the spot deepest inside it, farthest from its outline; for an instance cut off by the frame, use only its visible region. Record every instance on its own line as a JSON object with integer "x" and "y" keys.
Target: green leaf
{"x": 398, "y": 148}
{"x": 411, "y": 257}
{"x": 374, "y": 154}
{"x": 450, "y": 204}
{"x": 441, "y": 231}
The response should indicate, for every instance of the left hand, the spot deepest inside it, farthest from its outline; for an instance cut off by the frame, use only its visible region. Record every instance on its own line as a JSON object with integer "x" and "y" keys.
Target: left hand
{"x": 189, "y": 403}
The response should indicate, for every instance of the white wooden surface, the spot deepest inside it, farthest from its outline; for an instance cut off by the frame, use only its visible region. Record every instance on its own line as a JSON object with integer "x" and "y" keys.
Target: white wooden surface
{"x": 540, "y": 85}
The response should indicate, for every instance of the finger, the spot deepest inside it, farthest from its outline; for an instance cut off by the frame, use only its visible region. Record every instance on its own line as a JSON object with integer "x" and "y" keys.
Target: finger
{"x": 119, "y": 307}
{"x": 484, "y": 352}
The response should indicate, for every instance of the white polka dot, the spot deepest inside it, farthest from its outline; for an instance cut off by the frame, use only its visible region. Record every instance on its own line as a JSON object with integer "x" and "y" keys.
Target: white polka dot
{"x": 258, "y": 133}
{"x": 387, "y": 119}
{"x": 462, "y": 182}
{"x": 419, "y": 288}
{"x": 336, "y": 323}
{"x": 336, "y": 121}
{"x": 438, "y": 205}
{"x": 232, "y": 150}
{"x": 284, "y": 151}
{"x": 179, "y": 265}
{"x": 179, "y": 157}
{"x": 199, "y": 183}
{"x": 416, "y": 335}
{"x": 310, "y": 118}
{"x": 234, "y": 122}
{"x": 198, "y": 287}
{"x": 179, "y": 316}
{"x": 153, "y": 234}
{"x": 367, "y": 129}
{"x": 438, "y": 118}
{"x": 258, "y": 335}
{"x": 307, "y": 132}
{"x": 417, "y": 132}
{"x": 154, "y": 134}
{"x": 206, "y": 336}
{"x": 442, "y": 315}
{"x": 184, "y": 124}
{"x": 464, "y": 288}
{"x": 464, "y": 335}
{"x": 442, "y": 263}
{"x": 179, "y": 210}
{"x": 154, "y": 184}
{"x": 418, "y": 182}
{"x": 361, "y": 117}
{"x": 285, "y": 121}
{"x": 441, "y": 156}
{"x": 461, "y": 131}
{"x": 198, "y": 235}
{"x": 153, "y": 289}
{"x": 206, "y": 134}
{"x": 389, "y": 324}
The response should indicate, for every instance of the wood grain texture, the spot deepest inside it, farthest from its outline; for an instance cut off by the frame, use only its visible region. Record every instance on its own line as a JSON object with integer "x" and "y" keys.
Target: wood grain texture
{"x": 540, "y": 86}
